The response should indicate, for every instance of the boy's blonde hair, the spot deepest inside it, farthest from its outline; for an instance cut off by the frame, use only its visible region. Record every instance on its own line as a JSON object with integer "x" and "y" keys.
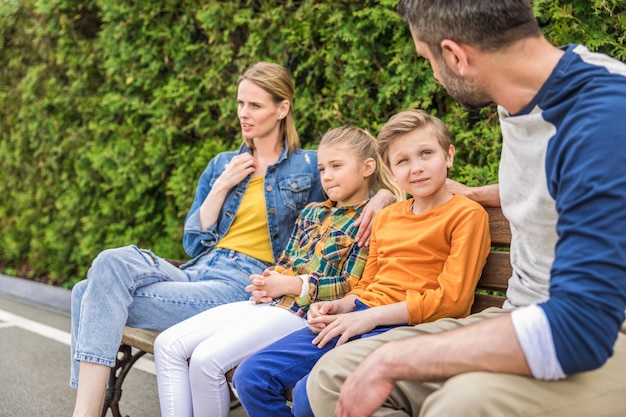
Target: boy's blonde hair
{"x": 276, "y": 80}
{"x": 407, "y": 121}
{"x": 363, "y": 144}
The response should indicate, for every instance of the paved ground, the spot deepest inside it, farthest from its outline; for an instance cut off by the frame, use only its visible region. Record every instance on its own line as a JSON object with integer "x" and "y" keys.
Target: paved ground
{"x": 34, "y": 364}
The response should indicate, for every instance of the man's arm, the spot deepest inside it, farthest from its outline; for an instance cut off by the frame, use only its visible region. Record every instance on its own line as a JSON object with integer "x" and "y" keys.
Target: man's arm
{"x": 487, "y": 195}
{"x": 490, "y": 345}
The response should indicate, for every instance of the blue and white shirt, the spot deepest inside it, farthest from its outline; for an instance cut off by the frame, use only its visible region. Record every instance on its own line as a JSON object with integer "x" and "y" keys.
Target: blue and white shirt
{"x": 563, "y": 188}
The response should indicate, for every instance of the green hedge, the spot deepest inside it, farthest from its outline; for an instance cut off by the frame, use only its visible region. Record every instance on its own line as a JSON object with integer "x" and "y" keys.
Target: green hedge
{"x": 111, "y": 109}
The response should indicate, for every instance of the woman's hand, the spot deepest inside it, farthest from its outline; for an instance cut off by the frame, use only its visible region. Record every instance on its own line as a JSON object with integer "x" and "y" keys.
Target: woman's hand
{"x": 237, "y": 169}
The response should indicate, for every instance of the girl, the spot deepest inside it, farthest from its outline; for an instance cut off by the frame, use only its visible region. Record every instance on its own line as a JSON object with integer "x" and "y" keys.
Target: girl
{"x": 321, "y": 262}
{"x": 245, "y": 206}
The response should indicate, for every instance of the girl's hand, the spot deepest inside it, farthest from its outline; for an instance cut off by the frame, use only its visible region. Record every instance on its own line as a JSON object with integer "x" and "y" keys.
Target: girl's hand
{"x": 258, "y": 288}
{"x": 344, "y": 325}
{"x": 271, "y": 285}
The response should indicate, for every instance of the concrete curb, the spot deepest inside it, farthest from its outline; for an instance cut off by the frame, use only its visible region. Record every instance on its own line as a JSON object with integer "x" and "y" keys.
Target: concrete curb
{"x": 35, "y": 293}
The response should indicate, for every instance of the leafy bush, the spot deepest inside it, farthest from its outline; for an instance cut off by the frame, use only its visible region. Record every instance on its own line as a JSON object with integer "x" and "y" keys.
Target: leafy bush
{"x": 111, "y": 109}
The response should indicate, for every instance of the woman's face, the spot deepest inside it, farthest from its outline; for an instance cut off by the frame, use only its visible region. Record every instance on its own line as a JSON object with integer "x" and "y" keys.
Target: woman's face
{"x": 258, "y": 114}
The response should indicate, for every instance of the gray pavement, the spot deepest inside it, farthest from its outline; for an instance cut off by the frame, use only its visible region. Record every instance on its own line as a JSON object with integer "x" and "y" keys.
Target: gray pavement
{"x": 34, "y": 364}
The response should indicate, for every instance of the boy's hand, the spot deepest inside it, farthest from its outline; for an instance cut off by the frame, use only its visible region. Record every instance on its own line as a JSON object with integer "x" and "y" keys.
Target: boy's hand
{"x": 324, "y": 308}
{"x": 345, "y": 325}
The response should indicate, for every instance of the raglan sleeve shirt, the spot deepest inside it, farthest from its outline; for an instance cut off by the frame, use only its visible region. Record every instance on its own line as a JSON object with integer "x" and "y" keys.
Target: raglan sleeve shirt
{"x": 574, "y": 330}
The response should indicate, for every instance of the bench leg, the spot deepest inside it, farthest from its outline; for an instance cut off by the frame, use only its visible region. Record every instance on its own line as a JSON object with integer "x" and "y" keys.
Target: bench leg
{"x": 123, "y": 363}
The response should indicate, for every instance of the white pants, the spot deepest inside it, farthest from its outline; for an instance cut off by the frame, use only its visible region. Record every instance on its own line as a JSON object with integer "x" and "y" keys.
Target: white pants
{"x": 214, "y": 342}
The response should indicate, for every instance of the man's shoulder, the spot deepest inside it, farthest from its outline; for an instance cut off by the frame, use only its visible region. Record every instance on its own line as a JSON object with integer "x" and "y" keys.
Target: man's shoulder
{"x": 599, "y": 60}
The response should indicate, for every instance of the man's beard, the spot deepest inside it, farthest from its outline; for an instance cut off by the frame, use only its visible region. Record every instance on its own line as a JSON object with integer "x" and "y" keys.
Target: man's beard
{"x": 464, "y": 91}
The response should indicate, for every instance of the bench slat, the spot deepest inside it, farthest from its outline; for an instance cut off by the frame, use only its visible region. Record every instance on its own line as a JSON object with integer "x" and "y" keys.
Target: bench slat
{"x": 139, "y": 338}
{"x": 496, "y": 273}
{"x": 498, "y": 228}
{"x": 483, "y": 301}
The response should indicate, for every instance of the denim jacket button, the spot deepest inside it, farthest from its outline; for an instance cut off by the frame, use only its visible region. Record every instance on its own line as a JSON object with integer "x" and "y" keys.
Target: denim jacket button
{"x": 272, "y": 210}
{"x": 269, "y": 188}
{"x": 294, "y": 185}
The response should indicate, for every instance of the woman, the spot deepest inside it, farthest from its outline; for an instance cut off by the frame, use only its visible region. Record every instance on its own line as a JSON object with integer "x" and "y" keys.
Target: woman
{"x": 245, "y": 206}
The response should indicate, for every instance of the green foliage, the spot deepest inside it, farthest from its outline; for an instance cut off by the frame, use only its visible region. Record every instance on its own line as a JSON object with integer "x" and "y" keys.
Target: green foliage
{"x": 111, "y": 109}
{"x": 598, "y": 24}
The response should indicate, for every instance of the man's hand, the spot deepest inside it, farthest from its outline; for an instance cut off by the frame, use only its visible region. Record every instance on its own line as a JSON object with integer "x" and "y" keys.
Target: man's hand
{"x": 382, "y": 199}
{"x": 487, "y": 195}
{"x": 366, "y": 378}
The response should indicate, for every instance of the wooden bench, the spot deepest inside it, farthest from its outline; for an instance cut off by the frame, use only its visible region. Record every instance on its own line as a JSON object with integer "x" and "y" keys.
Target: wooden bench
{"x": 489, "y": 293}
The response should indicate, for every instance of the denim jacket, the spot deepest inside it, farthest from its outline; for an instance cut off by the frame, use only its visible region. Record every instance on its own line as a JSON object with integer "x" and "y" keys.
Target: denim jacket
{"x": 290, "y": 184}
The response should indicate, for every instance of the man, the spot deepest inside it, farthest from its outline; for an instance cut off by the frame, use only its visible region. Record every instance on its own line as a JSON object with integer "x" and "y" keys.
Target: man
{"x": 555, "y": 348}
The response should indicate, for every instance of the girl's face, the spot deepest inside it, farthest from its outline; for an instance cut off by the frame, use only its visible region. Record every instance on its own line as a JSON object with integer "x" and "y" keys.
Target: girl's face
{"x": 420, "y": 165}
{"x": 258, "y": 114}
{"x": 345, "y": 178}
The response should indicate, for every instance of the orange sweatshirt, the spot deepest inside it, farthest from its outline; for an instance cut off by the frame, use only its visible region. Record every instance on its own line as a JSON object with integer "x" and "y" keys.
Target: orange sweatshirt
{"x": 432, "y": 260}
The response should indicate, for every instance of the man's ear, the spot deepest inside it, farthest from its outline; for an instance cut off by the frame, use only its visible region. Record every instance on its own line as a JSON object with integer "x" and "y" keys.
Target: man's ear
{"x": 455, "y": 56}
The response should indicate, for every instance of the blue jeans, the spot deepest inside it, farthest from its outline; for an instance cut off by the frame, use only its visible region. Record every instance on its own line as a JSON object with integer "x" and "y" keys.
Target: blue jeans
{"x": 262, "y": 379}
{"x": 132, "y": 286}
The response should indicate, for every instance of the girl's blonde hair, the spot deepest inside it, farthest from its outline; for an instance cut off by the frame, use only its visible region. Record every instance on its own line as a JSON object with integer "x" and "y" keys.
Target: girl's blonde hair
{"x": 276, "y": 80}
{"x": 407, "y": 121}
{"x": 363, "y": 144}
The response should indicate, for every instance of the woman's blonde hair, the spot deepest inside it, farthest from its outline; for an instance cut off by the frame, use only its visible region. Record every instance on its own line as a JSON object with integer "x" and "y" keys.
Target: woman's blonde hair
{"x": 407, "y": 121}
{"x": 277, "y": 81}
{"x": 363, "y": 144}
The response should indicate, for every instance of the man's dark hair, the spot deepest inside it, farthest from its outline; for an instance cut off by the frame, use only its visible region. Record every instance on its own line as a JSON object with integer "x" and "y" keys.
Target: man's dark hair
{"x": 486, "y": 24}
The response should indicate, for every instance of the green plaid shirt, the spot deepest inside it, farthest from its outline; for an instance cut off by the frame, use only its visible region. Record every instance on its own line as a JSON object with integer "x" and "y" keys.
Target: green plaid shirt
{"x": 325, "y": 250}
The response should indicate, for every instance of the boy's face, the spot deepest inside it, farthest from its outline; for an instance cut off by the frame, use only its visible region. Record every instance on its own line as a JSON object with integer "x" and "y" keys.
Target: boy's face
{"x": 419, "y": 164}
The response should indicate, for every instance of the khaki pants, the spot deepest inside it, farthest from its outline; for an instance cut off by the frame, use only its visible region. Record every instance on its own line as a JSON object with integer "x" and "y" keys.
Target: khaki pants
{"x": 599, "y": 393}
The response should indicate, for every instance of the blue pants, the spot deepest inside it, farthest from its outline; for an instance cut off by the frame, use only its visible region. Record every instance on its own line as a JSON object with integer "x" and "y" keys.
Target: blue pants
{"x": 132, "y": 286}
{"x": 262, "y": 379}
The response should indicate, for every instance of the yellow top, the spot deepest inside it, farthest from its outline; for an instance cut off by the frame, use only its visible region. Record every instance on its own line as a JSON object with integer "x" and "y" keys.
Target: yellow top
{"x": 249, "y": 232}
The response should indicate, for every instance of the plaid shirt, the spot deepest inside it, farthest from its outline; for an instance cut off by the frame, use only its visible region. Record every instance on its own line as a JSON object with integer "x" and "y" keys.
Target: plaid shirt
{"x": 325, "y": 250}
